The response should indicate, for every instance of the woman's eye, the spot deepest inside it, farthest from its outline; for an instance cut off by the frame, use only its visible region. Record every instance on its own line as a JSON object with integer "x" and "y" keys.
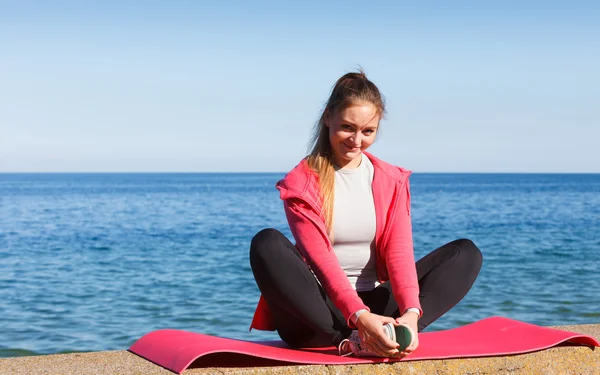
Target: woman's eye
{"x": 368, "y": 131}
{"x": 346, "y": 127}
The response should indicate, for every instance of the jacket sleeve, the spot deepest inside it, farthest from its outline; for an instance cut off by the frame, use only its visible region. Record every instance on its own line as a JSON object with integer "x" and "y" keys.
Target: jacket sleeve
{"x": 400, "y": 258}
{"x": 309, "y": 232}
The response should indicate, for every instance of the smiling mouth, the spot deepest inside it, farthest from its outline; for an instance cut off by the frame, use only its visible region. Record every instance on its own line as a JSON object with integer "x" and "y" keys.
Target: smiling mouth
{"x": 351, "y": 147}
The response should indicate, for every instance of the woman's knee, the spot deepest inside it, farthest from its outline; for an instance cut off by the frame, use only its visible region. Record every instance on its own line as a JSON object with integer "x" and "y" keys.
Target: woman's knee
{"x": 264, "y": 242}
{"x": 469, "y": 253}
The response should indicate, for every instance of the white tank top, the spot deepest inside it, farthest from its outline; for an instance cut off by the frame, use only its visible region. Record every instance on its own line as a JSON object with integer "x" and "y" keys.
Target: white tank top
{"x": 354, "y": 225}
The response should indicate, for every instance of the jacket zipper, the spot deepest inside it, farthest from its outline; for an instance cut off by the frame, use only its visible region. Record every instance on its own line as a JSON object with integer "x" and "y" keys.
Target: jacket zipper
{"x": 388, "y": 230}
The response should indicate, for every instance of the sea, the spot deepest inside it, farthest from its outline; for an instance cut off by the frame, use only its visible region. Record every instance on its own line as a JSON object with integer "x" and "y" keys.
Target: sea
{"x": 93, "y": 262}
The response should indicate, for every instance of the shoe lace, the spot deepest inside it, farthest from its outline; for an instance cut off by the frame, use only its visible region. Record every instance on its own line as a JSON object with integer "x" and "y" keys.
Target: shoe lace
{"x": 344, "y": 349}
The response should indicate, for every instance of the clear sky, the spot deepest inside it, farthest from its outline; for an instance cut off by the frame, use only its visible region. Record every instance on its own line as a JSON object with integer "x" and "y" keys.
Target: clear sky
{"x": 178, "y": 86}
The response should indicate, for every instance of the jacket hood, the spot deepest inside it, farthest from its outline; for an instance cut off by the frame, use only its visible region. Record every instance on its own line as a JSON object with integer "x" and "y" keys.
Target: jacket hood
{"x": 297, "y": 182}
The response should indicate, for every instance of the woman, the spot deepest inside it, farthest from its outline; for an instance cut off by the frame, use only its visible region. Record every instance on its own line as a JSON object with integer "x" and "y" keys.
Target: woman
{"x": 352, "y": 270}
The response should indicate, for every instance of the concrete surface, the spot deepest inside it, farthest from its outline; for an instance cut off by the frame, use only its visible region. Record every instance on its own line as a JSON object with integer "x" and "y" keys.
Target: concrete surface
{"x": 555, "y": 361}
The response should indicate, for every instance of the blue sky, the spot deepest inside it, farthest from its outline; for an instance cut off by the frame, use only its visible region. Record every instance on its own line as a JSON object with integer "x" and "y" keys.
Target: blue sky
{"x": 178, "y": 86}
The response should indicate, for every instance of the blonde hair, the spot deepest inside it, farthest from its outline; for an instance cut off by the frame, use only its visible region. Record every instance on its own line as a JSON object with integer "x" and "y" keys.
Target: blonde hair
{"x": 349, "y": 89}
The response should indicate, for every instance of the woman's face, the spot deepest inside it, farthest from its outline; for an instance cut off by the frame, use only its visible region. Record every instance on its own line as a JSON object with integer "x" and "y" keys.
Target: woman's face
{"x": 351, "y": 131}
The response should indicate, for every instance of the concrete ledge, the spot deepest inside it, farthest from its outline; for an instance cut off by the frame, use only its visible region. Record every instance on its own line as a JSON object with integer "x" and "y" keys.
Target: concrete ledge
{"x": 562, "y": 360}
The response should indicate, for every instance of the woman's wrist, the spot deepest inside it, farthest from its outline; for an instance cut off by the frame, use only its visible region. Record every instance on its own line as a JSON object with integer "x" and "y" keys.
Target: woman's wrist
{"x": 413, "y": 310}
{"x": 356, "y": 315}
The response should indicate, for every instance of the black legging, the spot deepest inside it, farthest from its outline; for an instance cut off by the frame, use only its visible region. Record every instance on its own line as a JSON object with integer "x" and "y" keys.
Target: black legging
{"x": 306, "y": 317}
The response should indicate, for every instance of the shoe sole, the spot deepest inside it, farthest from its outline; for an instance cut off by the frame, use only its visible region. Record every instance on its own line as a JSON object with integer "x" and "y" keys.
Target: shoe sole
{"x": 403, "y": 335}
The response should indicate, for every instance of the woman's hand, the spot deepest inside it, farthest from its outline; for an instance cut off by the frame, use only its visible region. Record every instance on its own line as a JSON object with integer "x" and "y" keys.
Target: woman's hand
{"x": 410, "y": 319}
{"x": 373, "y": 337}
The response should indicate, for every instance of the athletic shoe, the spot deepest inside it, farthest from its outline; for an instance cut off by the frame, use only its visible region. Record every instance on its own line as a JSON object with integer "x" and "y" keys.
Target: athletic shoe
{"x": 401, "y": 334}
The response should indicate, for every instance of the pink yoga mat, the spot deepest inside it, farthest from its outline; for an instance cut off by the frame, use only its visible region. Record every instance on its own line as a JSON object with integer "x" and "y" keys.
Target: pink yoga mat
{"x": 177, "y": 350}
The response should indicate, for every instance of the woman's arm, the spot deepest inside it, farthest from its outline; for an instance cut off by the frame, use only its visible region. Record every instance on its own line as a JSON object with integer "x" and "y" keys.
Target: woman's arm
{"x": 400, "y": 258}
{"x": 313, "y": 243}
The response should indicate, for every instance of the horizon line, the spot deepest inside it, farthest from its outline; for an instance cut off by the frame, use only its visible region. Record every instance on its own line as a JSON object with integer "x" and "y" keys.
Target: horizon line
{"x": 274, "y": 172}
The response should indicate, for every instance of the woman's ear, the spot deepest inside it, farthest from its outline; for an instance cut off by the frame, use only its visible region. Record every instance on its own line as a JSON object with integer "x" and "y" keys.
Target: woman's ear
{"x": 326, "y": 118}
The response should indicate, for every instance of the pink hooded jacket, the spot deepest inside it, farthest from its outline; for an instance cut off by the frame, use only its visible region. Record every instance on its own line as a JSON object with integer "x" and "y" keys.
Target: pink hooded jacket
{"x": 299, "y": 190}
